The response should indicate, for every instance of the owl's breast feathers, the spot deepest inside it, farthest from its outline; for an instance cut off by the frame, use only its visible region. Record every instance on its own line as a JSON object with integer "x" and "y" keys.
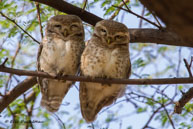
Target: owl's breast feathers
{"x": 99, "y": 61}
{"x": 59, "y": 55}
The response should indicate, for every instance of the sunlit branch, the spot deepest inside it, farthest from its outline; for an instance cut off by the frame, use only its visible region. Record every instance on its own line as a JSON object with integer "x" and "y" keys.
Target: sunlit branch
{"x": 99, "y": 80}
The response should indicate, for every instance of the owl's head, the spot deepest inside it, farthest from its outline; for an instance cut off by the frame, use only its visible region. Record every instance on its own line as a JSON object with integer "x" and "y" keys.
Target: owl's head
{"x": 65, "y": 27}
{"x": 112, "y": 33}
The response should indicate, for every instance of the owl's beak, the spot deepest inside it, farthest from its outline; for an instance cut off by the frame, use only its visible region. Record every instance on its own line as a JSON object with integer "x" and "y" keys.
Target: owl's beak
{"x": 109, "y": 40}
{"x": 65, "y": 33}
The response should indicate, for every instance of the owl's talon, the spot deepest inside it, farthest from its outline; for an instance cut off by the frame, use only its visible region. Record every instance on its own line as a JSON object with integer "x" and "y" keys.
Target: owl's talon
{"x": 108, "y": 84}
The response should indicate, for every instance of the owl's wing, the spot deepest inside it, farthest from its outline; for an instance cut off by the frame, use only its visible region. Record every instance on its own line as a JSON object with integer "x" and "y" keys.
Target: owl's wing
{"x": 128, "y": 69}
{"x": 53, "y": 92}
{"x": 95, "y": 96}
{"x": 81, "y": 51}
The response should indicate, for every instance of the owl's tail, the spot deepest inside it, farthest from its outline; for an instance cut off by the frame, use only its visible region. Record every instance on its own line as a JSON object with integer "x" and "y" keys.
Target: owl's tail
{"x": 53, "y": 92}
{"x": 96, "y": 96}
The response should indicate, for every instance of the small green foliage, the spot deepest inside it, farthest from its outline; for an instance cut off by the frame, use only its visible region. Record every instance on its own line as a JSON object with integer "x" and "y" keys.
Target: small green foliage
{"x": 189, "y": 107}
{"x": 180, "y": 87}
{"x": 141, "y": 109}
{"x": 139, "y": 63}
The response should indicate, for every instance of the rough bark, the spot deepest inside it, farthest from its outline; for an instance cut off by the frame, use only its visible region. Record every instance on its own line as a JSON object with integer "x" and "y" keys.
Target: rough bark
{"x": 177, "y": 15}
{"x": 16, "y": 92}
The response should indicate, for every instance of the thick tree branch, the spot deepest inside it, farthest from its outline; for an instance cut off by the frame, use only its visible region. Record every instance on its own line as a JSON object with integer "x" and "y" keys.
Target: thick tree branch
{"x": 186, "y": 96}
{"x": 181, "y": 103}
{"x": 16, "y": 92}
{"x": 156, "y": 36}
{"x": 100, "y": 80}
{"x": 65, "y": 7}
{"x": 137, "y": 35}
{"x": 176, "y": 15}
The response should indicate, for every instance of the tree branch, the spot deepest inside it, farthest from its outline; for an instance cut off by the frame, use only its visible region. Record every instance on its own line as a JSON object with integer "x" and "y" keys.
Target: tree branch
{"x": 65, "y": 7}
{"x": 16, "y": 92}
{"x": 137, "y": 35}
{"x": 99, "y": 80}
{"x": 186, "y": 96}
{"x": 156, "y": 36}
{"x": 180, "y": 23}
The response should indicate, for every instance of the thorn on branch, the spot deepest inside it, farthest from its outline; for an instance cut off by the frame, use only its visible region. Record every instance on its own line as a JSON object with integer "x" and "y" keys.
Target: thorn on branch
{"x": 3, "y": 64}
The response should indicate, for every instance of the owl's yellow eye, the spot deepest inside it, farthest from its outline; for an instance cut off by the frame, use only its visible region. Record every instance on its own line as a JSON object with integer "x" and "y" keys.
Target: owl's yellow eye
{"x": 118, "y": 37}
{"x": 73, "y": 27}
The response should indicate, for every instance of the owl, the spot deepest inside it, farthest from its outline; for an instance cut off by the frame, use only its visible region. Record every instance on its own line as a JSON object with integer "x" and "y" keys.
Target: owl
{"x": 106, "y": 56}
{"x": 59, "y": 54}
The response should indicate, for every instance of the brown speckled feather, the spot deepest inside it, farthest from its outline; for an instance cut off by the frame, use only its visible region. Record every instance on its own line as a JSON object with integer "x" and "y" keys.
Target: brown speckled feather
{"x": 106, "y": 60}
{"x": 59, "y": 54}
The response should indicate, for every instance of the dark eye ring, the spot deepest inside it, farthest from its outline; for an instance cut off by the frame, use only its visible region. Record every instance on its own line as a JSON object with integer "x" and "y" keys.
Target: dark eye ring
{"x": 58, "y": 26}
{"x": 74, "y": 26}
{"x": 103, "y": 30}
{"x": 118, "y": 37}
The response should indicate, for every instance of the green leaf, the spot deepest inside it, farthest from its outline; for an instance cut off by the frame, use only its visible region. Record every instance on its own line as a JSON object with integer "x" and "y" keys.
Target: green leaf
{"x": 140, "y": 109}
{"x": 139, "y": 63}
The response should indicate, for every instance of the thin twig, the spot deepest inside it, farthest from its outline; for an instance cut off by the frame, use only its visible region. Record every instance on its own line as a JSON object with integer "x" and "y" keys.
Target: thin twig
{"x": 172, "y": 123}
{"x": 59, "y": 120}
{"x": 13, "y": 21}
{"x": 118, "y": 10}
{"x": 29, "y": 113}
{"x": 84, "y": 7}
{"x": 12, "y": 64}
{"x": 142, "y": 14}
{"x": 99, "y": 80}
{"x": 153, "y": 14}
{"x": 39, "y": 18}
{"x": 3, "y": 64}
{"x": 128, "y": 10}
{"x": 188, "y": 67}
{"x": 151, "y": 117}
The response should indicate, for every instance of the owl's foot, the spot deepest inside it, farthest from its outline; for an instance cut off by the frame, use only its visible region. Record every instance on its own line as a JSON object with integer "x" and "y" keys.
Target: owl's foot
{"x": 109, "y": 84}
{"x": 53, "y": 75}
{"x": 60, "y": 74}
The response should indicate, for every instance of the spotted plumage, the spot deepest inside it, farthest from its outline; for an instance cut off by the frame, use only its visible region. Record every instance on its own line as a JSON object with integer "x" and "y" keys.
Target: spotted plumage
{"x": 106, "y": 55}
{"x": 59, "y": 54}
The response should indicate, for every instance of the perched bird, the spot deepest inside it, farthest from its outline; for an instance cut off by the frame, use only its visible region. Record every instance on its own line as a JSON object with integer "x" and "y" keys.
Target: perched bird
{"x": 107, "y": 56}
{"x": 59, "y": 54}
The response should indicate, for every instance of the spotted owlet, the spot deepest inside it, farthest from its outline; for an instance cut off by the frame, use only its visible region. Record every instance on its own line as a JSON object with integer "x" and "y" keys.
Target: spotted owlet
{"x": 59, "y": 54}
{"x": 106, "y": 55}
